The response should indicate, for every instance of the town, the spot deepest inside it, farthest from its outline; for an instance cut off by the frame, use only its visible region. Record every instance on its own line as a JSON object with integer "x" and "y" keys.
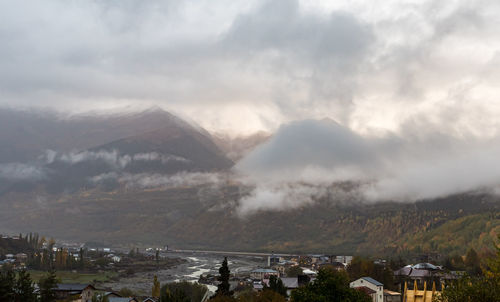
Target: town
{"x": 51, "y": 271}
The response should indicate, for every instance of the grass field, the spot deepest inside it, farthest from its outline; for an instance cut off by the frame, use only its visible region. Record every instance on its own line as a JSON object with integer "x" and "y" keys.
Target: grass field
{"x": 72, "y": 277}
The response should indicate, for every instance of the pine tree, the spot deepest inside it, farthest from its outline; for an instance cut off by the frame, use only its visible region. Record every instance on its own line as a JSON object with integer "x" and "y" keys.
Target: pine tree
{"x": 47, "y": 286}
{"x": 7, "y": 281}
{"x": 276, "y": 285}
{"x": 82, "y": 263}
{"x": 23, "y": 288}
{"x": 225, "y": 273}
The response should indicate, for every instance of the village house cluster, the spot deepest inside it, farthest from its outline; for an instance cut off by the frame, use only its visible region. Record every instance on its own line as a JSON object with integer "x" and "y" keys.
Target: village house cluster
{"x": 414, "y": 281}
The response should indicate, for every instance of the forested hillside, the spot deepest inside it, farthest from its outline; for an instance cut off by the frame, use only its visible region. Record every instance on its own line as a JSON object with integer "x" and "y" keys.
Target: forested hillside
{"x": 205, "y": 217}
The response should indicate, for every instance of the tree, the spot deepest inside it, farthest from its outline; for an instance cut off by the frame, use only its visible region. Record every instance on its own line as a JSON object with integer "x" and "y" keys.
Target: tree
{"x": 293, "y": 271}
{"x": 362, "y": 267}
{"x": 80, "y": 258}
{"x": 47, "y": 285}
{"x": 263, "y": 296}
{"x": 472, "y": 263}
{"x": 155, "y": 291}
{"x": 276, "y": 285}
{"x": 270, "y": 296}
{"x": 23, "y": 288}
{"x": 7, "y": 281}
{"x": 174, "y": 296}
{"x": 476, "y": 288}
{"x": 224, "y": 274}
{"x": 221, "y": 298}
{"x": 193, "y": 291}
{"x": 329, "y": 286}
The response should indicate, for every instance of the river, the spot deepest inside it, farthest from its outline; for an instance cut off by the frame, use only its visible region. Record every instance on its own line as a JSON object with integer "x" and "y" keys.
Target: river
{"x": 196, "y": 264}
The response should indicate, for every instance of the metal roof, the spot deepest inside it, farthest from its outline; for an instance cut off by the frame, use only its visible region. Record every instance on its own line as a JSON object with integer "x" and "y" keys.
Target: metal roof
{"x": 264, "y": 270}
{"x": 72, "y": 286}
{"x": 425, "y": 266}
{"x": 290, "y": 282}
{"x": 372, "y": 281}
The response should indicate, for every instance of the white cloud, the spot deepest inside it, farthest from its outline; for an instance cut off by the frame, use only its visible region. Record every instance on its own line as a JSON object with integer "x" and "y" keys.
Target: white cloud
{"x": 367, "y": 64}
{"x": 20, "y": 171}
{"x": 112, "y": 158}
{"x": 321, "y": 155}
{"x": 154, "y": 180}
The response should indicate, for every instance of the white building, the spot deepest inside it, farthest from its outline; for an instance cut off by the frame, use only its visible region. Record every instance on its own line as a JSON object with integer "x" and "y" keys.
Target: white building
{"x": 374, "y": 285}
{"x": 346, "y": 260}
{"x": 263, "y": 273}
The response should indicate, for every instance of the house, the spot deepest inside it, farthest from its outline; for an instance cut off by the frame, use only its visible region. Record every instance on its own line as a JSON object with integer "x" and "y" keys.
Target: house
{"x": 346, "y": 260}
{"x": 21, "y": 257}
{"x": 273, "y": 259}
{"x": 282, "y": 266}
{"x": 370, "y": 292}
{"x": 390, "y": 296}
{"x": 122, "y": 299}
{"x": 371, "y": 284}
{"x": 416, "y": 295}
{"x": 258, "y": 286}
{"x": 338, "y": 266}
{"x": 309, "y": 272}
{"x": 290, "y": 284}
{"x": 75, "y": 292}
{"x": 420, "y": 271}
{"x": 263, "y": 273}
{"x": 112, "y": 295}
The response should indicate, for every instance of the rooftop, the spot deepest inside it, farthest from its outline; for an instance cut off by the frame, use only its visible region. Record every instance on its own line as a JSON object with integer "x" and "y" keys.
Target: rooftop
{"x": 365, "y": 289}
{"x": 264, "y": 270}
{"x": 372, "y": 281}
{"x": 73, "y": 286}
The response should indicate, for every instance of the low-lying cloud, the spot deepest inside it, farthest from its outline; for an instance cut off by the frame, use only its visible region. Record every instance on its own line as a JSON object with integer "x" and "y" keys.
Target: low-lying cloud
{"x": 113, "y": 158}
{"x": 21, "y": 172}
{"x": 305, "y": 158}
{"x": 155, "y": 180}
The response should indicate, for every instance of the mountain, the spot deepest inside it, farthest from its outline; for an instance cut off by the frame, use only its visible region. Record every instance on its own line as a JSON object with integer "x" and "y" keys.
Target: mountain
{"x": 151, "y": 178}
{"x": 25, "y": 135}
{"x": 75, "y": 151}
{"x": 238, "y": 147}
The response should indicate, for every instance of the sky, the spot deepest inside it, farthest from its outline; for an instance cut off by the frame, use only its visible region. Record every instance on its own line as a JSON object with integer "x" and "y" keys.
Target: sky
{"x": 243, "y": 66}
{"x": 399, "y": 96}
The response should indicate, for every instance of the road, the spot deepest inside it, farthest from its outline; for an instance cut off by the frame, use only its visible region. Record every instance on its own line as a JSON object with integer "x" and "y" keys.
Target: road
{"x": 228, "y": 253}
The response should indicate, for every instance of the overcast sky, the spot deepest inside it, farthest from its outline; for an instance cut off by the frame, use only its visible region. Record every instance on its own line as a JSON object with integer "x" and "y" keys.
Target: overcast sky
{"x": 243, "y": 66}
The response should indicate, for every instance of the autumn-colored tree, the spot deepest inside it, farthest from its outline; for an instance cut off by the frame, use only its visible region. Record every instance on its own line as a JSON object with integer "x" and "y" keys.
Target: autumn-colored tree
{"x": 472, "y": 263}
{"x": 476, "y": 288}
{"x": 293, "y": 271}
{"x": 155, "y": 291}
